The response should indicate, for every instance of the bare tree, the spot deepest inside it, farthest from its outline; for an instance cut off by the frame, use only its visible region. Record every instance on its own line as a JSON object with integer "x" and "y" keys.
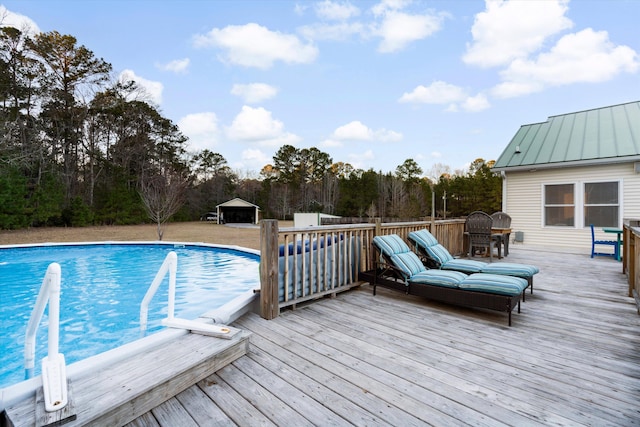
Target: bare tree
{"x": 162, "y": 198}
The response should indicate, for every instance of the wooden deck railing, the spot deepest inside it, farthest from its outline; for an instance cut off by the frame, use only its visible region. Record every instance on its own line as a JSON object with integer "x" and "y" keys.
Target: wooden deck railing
{"x": 631, "y": 258}
{"x": 300, "y": 264}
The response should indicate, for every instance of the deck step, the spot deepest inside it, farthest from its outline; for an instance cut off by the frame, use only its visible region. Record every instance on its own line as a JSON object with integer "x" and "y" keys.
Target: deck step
{"x": 124, "y": 391}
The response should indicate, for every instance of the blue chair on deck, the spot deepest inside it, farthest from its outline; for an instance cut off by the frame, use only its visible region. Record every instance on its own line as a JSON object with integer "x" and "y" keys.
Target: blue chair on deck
{"x": 594, "y": 242}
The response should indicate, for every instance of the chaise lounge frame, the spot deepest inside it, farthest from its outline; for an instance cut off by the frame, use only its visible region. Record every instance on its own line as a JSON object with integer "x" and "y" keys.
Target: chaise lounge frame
{"x": 388, "y": 276}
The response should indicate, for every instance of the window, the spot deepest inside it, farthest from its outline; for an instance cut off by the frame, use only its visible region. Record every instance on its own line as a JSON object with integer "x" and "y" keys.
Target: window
{"x": 559, "y": 205}
{"x": 601, "y": 204}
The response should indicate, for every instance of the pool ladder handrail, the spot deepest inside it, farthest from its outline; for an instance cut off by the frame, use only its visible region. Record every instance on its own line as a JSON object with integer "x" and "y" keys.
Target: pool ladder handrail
{"x": 170, "y": 265}
{"x": 54, "y": 374}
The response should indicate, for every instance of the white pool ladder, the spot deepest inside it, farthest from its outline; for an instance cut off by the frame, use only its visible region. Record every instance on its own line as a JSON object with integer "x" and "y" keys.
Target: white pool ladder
{"x": 54, "y": 373}
{"x": 170, "y": 265}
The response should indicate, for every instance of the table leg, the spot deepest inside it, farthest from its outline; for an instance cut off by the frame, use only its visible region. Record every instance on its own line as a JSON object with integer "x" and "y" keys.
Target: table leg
{"x": 506, "y": 243}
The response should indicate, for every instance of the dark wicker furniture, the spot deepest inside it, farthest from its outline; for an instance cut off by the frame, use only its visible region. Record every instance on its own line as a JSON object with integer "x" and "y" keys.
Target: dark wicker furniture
{"x": 392, "y": 274}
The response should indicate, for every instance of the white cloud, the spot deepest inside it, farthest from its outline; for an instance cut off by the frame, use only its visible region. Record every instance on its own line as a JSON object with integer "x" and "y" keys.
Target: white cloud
{"x": 398, "y": 29}
{"x": 335, "y": 32}
{"x": 438, "y": 92}
{"x": 21, "y": 22}
{"x": 356, "y": 131}
{"x": 178, "y": 66}
{"x": 387, "y": 135}
{"x": 202, "y": 130}
{"x": 152, "y": 90}
{"x": 254, "y": 158}
{"x": 254, "y": 93}
{"x": 335, "y": 11}
{"x": 475, "y": 103}
{"x": 331, "y": 143}
{"x": 389, "y": 5}
{"x": 357, "y": 160}
{"x": 257, "y": 125}
{"x": 584, "y": 57}
{"x": 253, "y": 45}
{"x": 508, "y": 30}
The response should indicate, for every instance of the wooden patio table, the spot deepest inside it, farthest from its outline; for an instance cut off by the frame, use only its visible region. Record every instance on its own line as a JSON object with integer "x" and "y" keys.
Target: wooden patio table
{"x": 502, "y": 235}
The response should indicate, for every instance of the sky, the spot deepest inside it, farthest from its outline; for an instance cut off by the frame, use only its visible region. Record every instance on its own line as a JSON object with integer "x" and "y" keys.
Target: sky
{"x": 371, "y": 83}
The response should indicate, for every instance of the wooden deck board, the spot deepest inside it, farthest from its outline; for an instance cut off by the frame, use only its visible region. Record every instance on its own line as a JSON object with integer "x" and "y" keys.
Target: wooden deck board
{"x": 287, "y": 392}
{"x": 262, "y": 397}
{"x": 173, "y": 413}
{"x": 572, "y": 357}
{"x": 239, "y": 410}
{"x": 202, "y": 409}
{"x": 121, "y": 392}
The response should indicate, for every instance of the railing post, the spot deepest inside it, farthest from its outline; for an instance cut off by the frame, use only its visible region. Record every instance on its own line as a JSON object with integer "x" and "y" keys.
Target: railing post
{"x": 269, "y": 298}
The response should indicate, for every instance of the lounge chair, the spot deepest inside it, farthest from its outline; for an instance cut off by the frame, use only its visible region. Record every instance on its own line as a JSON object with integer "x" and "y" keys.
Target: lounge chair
{"x": 401, "y": 269}
{"x": 434, "y": 255}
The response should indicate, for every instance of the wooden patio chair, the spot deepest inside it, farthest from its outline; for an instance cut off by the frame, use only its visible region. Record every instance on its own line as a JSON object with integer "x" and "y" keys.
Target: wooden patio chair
{"x": 478, "y": 225}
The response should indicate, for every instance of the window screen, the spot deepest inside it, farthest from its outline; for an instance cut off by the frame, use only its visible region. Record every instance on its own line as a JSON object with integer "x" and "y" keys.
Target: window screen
{"x": 601, "y": 204}
{"x": 559, "y": 205}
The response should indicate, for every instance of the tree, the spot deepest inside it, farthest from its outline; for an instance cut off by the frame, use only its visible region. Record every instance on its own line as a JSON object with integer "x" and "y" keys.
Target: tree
{"x": 162, "y": 198}
{"x": 217, "y": 181}
{"x": 409, "y": 171}
{"x": 70, "y": 71}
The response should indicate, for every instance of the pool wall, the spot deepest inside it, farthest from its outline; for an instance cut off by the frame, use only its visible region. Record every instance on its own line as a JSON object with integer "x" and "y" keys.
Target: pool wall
{"x": 248, "y": 301}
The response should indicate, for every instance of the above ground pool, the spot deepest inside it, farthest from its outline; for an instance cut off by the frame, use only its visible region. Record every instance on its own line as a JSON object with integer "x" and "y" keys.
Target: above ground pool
{"x": 102, "y": 287}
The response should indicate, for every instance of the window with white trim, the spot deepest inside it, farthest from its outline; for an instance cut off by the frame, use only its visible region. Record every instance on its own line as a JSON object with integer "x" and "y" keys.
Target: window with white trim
{"x": 601, "y": 204}
{"x": 559, "y": 205}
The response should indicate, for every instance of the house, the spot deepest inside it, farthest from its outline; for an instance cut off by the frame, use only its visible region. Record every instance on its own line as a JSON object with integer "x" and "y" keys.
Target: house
{"x": 238, "y": 211}
{"x": 573, "y": 170}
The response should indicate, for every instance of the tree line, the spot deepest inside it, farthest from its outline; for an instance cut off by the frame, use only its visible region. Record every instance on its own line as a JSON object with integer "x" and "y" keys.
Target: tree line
{"x": 80, "y": 148}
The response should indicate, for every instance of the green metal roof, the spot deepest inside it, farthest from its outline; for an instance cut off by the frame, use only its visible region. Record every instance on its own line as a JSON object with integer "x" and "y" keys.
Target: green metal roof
{"x": 600, "y": 136}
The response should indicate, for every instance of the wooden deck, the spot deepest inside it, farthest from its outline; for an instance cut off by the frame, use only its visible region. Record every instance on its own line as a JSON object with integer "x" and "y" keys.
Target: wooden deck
{"x": 572, "y": 357}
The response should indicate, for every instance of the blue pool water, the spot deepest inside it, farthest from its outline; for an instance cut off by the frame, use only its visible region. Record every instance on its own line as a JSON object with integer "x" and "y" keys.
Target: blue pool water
{"x": 102, "y": 287}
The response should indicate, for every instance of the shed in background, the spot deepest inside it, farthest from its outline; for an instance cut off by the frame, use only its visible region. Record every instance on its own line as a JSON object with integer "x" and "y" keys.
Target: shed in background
{"x": 309, "y": 219}
{"x": 238, "y": 211}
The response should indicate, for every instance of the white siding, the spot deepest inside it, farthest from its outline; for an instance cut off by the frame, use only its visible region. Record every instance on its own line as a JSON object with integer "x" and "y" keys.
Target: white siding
{"x": 524, "y": 202}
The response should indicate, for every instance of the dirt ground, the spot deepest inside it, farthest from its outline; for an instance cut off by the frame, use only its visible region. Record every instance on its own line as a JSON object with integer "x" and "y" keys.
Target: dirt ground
{"x": 198, "y": 231}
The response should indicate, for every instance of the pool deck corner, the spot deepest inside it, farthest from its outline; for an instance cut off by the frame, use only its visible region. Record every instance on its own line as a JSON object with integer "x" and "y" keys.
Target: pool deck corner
{"x": 121, "y": 392}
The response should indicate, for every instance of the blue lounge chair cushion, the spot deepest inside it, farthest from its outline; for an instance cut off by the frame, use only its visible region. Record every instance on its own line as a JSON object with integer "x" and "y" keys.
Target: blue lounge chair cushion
{"x": 435, "y": 250}
{"x": 440, "y": 254}
{"x": 391, "y": 244}
{"x": 494, "y": 283}
{"x": 465, "y": 265}
{"x": 511, "y": 269}
{"x": 412, "y": 267}
{"x": 424, "y": 237}
{"x": 408, "y": 262}
{"x": 447, "y": 279}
